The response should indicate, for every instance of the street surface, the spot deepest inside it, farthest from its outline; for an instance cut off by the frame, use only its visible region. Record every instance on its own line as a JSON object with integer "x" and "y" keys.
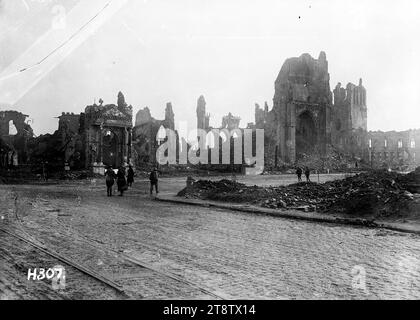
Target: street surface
{"x": 189, "y": 252}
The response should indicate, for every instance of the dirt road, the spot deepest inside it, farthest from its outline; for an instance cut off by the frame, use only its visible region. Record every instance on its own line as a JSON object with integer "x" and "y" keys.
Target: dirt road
{"x": 159, "y": 251}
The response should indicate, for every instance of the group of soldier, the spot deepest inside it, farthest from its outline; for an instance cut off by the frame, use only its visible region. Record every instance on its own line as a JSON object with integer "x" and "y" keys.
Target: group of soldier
{"x": 307, "y": 173}
{"x": 125, "y": 181}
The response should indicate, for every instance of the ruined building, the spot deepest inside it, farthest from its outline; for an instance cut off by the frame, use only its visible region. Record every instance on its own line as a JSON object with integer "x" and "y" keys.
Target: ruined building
{"x": 146, "y": 131}
{"x": 308, "y": 119}
{"x": 107, "y": 134}
{"x": 302, "y": 107}
{"x": 95, "y": 139}
{"x": 305, "y": 120}
{"x": 230, "y": 122}
{"x": 14, "y": 136}
{"x": 261, "y": 115}
{"x": 394, "y": 149}
{"x": 349, "y": 120}
{"x": 203, "y": 118}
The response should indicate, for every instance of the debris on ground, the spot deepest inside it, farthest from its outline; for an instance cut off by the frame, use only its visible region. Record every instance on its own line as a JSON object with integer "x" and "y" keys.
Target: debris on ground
{"x": 377, "y": 192}
{"x": 411, "y": 181}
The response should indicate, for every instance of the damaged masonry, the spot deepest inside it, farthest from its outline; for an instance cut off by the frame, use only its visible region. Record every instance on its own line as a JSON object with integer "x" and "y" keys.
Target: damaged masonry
{"x": 308, "y": 125}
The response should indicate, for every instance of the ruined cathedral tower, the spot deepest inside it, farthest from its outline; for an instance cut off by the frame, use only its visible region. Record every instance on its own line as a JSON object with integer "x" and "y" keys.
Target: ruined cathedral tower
{"x": 302, "y": 107}
{"x": 169, "y": 117}
{"x": 349, "y": 119}
{"x": 203, "y": 118}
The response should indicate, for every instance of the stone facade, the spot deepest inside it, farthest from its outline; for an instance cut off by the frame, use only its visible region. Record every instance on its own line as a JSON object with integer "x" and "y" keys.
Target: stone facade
{"x": 394, "y": 149}
{"x": 99, "y": 137}
{"x": 14, "y": 136}
{"x": 230, "y": 122}
{"x": 261, "y": 115}
{"x": 146, "y": 131}
{"x": 203, "y": 118}
{"x": 69, "y": 134}
{"x": 302, "y": 107}
{"x": 349, "y": 120}
{"x": 307, "y": 118}
{"x": 107, "y": 135}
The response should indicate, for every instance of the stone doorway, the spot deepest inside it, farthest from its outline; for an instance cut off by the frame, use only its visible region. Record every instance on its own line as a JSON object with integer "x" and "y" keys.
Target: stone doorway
{"x": 110, "y": 149}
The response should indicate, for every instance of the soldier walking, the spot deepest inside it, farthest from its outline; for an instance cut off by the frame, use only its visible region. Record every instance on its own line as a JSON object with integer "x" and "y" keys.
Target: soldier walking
{"x": 110, "y": 180}
{"x": 154, "y": 179}
{"x": 307, "y": 174}
{"x": 121, "y": 181}
{"x": 130, "y": 176}
{"x": 299, "y": 174}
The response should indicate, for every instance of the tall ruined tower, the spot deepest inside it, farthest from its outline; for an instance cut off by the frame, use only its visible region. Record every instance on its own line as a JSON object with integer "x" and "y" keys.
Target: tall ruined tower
{"x": 169, "y": 117}
{"x": 203, "y": 118}
{"x": 302, "y": 105}
{"x": 349, "y": 118}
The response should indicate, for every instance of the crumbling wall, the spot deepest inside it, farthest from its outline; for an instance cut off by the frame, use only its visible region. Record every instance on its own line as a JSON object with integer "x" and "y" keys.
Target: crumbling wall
{"x": 145, "y": 132}
{"x": 302, "y": 97}
{"x": 230, "y": 122}
{"x": 14, "y": 148}
{"x": 143, "y": 116}
{"x": 70, "y": 134}
{"x": 169, "y": 117}
{"x": 394, "y": 149}
{"x": 102, "y": 121}
{"x": 203, "y": 118}
{"x": 261, "y": 115}
{"x": 349, "y": 120}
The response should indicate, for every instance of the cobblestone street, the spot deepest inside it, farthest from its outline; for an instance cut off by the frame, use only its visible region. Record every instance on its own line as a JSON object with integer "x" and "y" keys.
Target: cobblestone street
{"x": 195, "y": 252}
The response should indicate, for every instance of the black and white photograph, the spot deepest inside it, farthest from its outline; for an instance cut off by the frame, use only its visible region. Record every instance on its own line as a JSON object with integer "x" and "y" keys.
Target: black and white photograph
{"x": 224, "y": 152}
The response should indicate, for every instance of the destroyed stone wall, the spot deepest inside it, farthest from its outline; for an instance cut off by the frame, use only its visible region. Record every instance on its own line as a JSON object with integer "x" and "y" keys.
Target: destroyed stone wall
{"x": 349, "y": 119}
{"x": 108, "y": 134}
{"x": 203, "y": 118}
{"x": 14, "y": 145}
{"x": 145, "y": 133}
{"x": 301, "y": 107}
{"x": 261, "y": 115}
{"x": 394, "y": 149}
{"x": 143, "y": 116}
{"x": 169, "y": 117}
{"x": 230, "y": 122}
{"x": 144, "y": 142}
{"x": 70, "y": 134}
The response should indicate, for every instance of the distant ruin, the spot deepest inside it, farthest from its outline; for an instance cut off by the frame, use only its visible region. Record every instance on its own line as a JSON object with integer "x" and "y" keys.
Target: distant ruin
{"x": 307, "y": 120}
{"x": 15, "y": 133}
{"x": 145, "y": 132}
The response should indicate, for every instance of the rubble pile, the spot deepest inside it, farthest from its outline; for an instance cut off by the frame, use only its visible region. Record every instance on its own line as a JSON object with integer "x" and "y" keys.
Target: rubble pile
{"x": 411, "y": 181}
{"x": 377, "y": 192}
{"x": 214, "y": 190}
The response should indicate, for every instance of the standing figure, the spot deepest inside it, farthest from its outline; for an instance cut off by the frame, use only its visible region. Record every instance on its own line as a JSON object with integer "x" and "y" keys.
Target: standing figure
{"x": 45, "y": 171}
{"x": 130, "y": 176}
{"x": 121, "y": 182}
{"x": 154, "y": 179}
{"x": 110, "y": 180}
{"x": 299, "y": 174}
{"x": 307, "y": 174}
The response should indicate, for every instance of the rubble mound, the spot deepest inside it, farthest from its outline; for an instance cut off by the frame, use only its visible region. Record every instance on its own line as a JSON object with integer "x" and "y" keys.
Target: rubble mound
{"x": 379, "y": 193}
{"x": 411, "y": 181}
{"x": 226, "y": 190}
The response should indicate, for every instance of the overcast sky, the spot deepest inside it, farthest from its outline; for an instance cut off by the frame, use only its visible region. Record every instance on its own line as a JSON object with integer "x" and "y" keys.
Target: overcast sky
{"x": 160, "y": 51}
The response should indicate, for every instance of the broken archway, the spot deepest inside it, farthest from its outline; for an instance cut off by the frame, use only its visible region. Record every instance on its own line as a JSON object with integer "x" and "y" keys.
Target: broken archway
{"x": 306, "y": 134}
